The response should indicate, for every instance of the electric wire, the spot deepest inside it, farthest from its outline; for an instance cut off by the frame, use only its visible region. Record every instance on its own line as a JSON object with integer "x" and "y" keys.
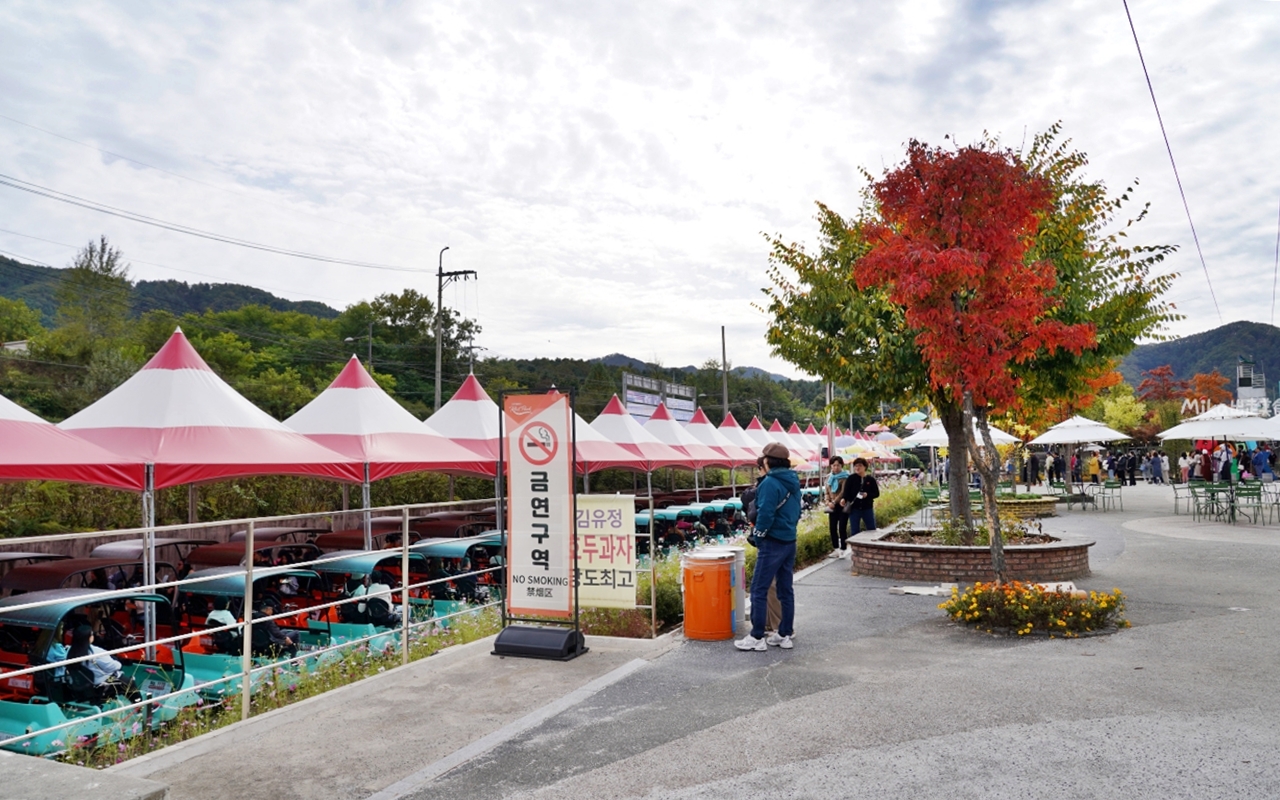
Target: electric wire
{"x": 1186, "y": 207}
{"x": 1276, "y": 275}
{"x": 180, "y": 176}
{"x": 218, "y": 278}
{"x": 102, "y": 208}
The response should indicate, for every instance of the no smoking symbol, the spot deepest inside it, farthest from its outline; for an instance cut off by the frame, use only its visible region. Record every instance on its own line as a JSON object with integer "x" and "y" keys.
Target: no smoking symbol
{"x": 538, "y": 443}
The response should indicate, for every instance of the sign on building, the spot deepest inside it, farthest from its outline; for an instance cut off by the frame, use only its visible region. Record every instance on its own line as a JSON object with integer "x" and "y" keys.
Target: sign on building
{"x": 606, "y": 550}
{"x": 642, "y": 396}
{"x": 539, "y": 504}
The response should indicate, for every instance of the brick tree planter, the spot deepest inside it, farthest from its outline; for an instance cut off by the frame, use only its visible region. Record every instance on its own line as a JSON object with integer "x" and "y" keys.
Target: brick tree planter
{"x": 935, "y": 563}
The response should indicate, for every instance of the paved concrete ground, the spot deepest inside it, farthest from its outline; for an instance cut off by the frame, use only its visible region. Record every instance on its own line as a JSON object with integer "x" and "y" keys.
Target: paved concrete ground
{"x": 880, "y": 698}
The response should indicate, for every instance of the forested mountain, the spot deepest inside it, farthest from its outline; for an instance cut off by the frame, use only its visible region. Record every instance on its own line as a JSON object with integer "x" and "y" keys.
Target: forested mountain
{"x": 1204, "y": 352}
{"x": 37, "y": 286}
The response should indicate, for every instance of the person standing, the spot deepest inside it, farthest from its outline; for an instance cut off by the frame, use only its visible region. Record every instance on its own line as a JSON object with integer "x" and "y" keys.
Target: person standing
{"x": 859, "y": 497}
{"x": 1184, "y": 466}
{"x": 1164, "y": 467}
{"x": 837, "y": 518}
{"x": 1206, "y": 466}
{"x": 777, "y": 515}
{"x": 1156, "y": 469}
{"x": 1131, "y": 467}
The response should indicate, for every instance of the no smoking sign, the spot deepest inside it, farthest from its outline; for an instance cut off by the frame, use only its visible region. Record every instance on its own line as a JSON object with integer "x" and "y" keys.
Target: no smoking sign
{"x": 538, "y": 444}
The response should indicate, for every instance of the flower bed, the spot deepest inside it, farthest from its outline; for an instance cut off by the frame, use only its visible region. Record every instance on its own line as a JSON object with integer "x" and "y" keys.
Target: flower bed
{"x": 1023, "y": 608}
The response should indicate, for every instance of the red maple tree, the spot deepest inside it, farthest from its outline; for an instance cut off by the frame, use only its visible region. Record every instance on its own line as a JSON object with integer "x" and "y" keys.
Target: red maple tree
{"x": 951, "y": 248}
{"x": 1160, "y": 384}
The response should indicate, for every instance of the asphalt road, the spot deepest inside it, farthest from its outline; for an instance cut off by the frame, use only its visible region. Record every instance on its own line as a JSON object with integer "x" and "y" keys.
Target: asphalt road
{"x": 883, "y": 698}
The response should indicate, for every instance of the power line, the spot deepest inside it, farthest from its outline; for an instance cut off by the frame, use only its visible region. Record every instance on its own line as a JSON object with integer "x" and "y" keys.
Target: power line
{"x": 1276, "y": 275}
{"x": 180, "y": 176}
{"x": 70, "y": 199}
{"x": 166, "y": 266}
{"x": 1169, "y": 148}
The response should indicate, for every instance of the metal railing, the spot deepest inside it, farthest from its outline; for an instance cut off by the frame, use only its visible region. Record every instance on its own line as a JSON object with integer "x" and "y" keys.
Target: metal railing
{"x": 409, "y": 623}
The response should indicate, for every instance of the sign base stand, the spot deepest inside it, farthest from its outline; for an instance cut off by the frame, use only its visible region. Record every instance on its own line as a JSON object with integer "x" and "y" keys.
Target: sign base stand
{"x": 535, "y": 641}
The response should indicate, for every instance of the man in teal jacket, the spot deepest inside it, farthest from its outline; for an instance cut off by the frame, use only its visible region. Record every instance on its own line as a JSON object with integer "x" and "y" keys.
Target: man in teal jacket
{"x": 777, "y": 514}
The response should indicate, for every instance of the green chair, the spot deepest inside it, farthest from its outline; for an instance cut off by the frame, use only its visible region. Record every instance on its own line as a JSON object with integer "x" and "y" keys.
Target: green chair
{"x": 1249, "y": 502}
{"x": 1111, "y": 495}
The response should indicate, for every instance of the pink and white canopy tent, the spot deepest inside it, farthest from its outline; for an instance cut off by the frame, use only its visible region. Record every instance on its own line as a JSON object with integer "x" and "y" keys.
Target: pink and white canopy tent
{"x": 183, "y": 421}
{"x": 756, "y": 433}
{"x": 731, "y": 430}
{"x": 799, "y": 448}
{"x": 596, "y": 452}
{"x": 470, "y": 419}
{"x": 188, "y": 426}
{"x": 356, "y": 418}
{"x": 700, "y": 428}
{"x": 619, "y": 427}
{"x": 667, "y": 430}
{"x": 32, "y": 449}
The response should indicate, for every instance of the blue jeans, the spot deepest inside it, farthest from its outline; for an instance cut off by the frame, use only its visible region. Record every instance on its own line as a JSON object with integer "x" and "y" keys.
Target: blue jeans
{"x": 861, "y": 519}
{"x": 774, "y": 560}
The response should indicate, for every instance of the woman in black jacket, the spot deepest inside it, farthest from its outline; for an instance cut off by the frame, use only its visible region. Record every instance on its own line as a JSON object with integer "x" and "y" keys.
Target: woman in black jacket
{"x": 858, "y": 498}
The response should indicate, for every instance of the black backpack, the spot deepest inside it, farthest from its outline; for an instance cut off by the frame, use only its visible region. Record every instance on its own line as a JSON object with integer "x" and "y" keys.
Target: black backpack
{"x": 749, "y": 504}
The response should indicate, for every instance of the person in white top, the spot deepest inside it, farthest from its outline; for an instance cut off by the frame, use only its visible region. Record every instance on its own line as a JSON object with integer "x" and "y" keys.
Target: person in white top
{"x": 104, "y": 668}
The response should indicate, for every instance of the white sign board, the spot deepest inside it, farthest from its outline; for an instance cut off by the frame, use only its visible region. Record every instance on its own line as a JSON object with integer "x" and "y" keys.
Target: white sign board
{"x": 607, "y": 550}
{"x": 539, "y": 505}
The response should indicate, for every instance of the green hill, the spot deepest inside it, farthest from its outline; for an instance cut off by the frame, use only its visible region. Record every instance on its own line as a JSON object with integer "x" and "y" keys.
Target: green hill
{"x": 1204, "y": 352}
{"x": 37, "y": 287}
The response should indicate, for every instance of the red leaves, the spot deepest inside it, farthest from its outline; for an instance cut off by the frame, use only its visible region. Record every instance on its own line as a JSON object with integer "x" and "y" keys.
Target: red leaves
{"x": 951, "y": 248}
{"x": 1161, "y": 384}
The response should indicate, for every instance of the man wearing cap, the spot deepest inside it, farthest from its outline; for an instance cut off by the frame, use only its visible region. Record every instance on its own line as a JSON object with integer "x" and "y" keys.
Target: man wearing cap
{"x": 777, "y": 514}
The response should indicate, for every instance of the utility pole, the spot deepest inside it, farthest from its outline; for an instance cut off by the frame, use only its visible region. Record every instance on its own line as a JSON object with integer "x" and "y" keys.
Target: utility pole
{"x": 443, "y": 279}
{"x": 724, "y": 372}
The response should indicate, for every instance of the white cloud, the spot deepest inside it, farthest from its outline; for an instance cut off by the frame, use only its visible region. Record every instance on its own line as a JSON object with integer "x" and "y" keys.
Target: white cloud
{"x": 608, "y": 169}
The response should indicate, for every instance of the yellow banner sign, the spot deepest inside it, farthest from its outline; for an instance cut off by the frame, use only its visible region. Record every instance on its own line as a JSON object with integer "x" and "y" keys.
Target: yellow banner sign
{"x": 606, "y": 528}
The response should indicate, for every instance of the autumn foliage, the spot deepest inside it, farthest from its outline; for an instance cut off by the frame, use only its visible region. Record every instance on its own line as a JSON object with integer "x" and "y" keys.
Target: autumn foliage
{"x": 1159, "y": 384}
{"x": 951, "y": 247}
{"x": 1213, "y": 386}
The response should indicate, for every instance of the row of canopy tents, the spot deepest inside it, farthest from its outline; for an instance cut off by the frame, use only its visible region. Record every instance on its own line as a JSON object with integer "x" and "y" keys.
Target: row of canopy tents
{"x": 176, "y": 422}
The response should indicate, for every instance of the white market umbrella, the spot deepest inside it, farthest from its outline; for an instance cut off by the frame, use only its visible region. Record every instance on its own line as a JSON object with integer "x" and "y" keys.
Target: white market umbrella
{"x": 1078, "y": 430}
{"x": 934, "y": 435}
{"x": 1223, "y": 422}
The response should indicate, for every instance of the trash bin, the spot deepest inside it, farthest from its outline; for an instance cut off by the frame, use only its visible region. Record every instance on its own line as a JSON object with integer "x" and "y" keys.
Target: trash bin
{"x": 708, "y": 595}
{"x": 739, "y": 581}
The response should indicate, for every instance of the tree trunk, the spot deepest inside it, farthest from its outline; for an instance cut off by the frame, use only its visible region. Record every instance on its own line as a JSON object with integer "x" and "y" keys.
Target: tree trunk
{"x": 958, "y": 466}
{"x": 987, "y": 462}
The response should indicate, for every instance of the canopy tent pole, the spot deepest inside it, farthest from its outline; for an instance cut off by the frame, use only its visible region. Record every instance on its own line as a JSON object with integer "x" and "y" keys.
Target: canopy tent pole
{"x": 193, "y": 504}
{"x": 149, "y": 559}
{"x": 246, "y": 633}
{"x": 346, "y": 497}
{"x": 653, "y": 560}
{"x": 364, "y": 497}
{"x": 586, "y": 478}
{"x": 697, "y": 497}
{"x": 404, "y": 585}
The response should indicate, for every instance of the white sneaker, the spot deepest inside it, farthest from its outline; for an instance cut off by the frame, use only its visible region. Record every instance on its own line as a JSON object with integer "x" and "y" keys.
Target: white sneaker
{"x": 750, "y": 642}
{"x": 775, "y": 640}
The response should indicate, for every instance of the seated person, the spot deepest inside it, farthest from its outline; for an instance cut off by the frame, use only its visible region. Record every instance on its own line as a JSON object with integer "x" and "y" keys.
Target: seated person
{"x": 378, "y": 604}
{"x": 57, "y": 652}
{"x": 439, "y": 588}
{"x": 268, "y": 638}
{"x": 223, "y": 641}
{"x": 105, "y": 672}
{"x": 466, "y": 583}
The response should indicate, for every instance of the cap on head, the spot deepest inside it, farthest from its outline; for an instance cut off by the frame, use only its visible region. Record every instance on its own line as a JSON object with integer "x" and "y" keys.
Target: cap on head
{"x": 776, "y": 450}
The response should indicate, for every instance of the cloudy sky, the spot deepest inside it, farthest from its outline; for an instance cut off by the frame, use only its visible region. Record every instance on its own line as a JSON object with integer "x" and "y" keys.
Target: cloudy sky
{"x": 607, "y": 168}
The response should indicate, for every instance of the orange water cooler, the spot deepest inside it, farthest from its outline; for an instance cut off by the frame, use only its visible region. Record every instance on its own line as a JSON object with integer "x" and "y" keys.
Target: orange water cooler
{"x": 708, "y": 579}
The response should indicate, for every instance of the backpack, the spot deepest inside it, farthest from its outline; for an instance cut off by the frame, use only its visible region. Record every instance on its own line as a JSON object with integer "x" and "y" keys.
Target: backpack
{"x": 749, "y": 504}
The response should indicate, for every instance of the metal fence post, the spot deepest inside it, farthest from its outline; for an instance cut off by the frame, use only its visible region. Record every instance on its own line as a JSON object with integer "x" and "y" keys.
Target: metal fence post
{"x": 246, "y": 657}
{"x": 404, "y": 586}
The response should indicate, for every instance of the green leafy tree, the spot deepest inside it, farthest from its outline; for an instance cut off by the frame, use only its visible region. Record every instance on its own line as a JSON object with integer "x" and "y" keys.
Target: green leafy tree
{"x": 1123, "y": 412}
{"x": 94, "y": 296}
{"x": 858, "y": 339}
{"x": 18, "y": 321}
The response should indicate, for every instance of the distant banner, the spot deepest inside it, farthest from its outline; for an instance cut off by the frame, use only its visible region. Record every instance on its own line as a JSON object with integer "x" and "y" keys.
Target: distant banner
{"x": 540, "y": 504}
{"x": 606, "y": 550}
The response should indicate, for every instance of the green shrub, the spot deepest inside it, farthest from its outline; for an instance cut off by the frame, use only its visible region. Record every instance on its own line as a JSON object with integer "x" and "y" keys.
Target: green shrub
{"x": 897, "y": 501}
